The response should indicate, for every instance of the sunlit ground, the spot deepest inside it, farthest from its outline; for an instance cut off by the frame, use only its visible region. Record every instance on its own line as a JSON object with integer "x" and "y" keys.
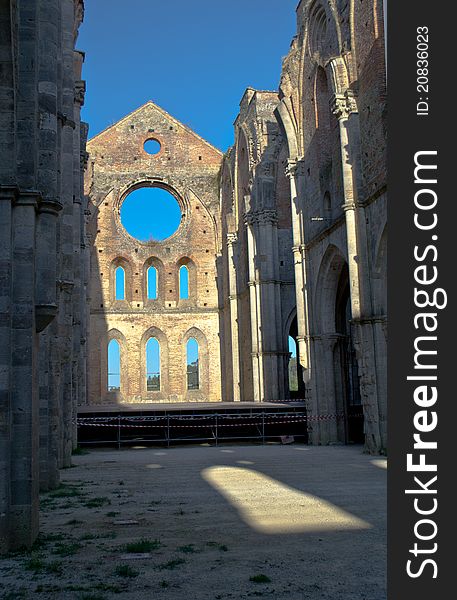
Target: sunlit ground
{"x": 269, "y": 506}
{"x": 228, "y": 523}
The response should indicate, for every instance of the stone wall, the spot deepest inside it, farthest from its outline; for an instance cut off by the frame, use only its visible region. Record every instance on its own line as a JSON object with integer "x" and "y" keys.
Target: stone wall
{"x": 42, "y": 292}
{"x": 187, "y": 167}
{"x": 326, "y": 130}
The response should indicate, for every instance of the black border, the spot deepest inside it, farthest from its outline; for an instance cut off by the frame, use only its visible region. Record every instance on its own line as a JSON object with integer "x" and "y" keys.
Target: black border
{"x": 408, "y": 134}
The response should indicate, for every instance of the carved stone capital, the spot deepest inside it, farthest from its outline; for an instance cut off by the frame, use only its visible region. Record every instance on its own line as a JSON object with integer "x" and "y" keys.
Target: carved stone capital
{"x": 51, "y": 206}
{"x": 232, "y": 238}
{"x": 343, "y": 105}
{"x": 80, "y": 92}
{"x": 261, "y": 217}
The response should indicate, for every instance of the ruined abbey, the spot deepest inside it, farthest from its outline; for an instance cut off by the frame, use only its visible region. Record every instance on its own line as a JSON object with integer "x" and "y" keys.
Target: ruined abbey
{"x": 283, "y": 236}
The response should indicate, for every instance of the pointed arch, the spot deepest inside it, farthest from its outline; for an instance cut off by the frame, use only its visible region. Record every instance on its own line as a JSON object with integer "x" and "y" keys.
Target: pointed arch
{"x": 120, "y": 280}
{"x": 114, "y": 373}
{"x": 330, "y": 270}
{"x": 186, "y": 280}
{"x": 198, "y": 349}
{"x": 154, "y": 365}
{"x": 153, "y": 281}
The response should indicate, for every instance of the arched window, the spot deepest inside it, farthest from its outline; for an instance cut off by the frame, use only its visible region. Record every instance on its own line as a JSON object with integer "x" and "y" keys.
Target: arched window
{"x": 184, "y": 283}
{"x": 153, "y": 365}
{"x": 152, "y": 283}
{"x": 114, "y": 366}
{"x": 193, "y": 382}
{"x": 119, "y": 275}
{"x": 293, "y": 371}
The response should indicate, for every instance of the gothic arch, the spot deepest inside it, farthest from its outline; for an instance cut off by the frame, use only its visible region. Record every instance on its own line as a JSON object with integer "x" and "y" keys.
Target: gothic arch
{"x": 330, "y": 271}
{"x": 158, "y": 334}
{"x": 114, "y": 334}
{"x": 158, "y": 265}
{"x": 191, "y": 266}
{"x": 203, "y": 360}
{"x": 379, "y": 285}
{"x": 121, "y": 261}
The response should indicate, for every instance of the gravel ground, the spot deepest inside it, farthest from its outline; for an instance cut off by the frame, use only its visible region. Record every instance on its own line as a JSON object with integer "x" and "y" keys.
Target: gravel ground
{"x": 203, "y": 523}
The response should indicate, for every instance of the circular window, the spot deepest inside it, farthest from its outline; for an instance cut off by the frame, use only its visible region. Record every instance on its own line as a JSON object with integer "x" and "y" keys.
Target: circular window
{"x": 150, "y": 214}
{"x": 152, "y": 146}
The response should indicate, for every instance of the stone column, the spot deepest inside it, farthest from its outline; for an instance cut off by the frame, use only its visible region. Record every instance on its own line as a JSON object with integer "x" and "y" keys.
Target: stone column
{"x": 232, "y": 240}
{"x": 7, "y": 197}
{"x": 254, "y": 313}
{"x": 24, "y": 446}
{"x": 66, "y": 230}
{"x": 345, "y": 109}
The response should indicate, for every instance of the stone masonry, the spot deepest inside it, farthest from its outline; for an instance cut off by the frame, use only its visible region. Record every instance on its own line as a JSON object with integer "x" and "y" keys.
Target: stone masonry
{"x": 187, "y": 167}
{"x": 284, "y": 236}
{"x": 43, "y": 262}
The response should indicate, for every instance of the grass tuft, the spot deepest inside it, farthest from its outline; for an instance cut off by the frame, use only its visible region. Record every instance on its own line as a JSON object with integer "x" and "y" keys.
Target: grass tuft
{"x": 260, "y": 579}
{"x": 141, "y": 546}
{"x": 97, "y": 502}
{"x": 172, "y": 564}
{"x": 125, "y": 571}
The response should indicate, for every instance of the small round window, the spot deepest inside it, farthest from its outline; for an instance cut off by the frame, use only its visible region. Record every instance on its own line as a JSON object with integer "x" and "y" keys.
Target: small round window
{"x": 152, "y": 146}
{"x": 150, "y": 214}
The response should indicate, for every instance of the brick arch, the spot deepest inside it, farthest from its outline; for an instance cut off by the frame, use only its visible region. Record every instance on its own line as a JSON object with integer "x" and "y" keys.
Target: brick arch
{"x": 159, "y": 335}
{"x": 153, "y": 261}
{"x": 186, "y": 261}
{"x": 121, "y": 261}
{"x": 322, "y": 31}
{"x": 203, "y": 364}
{"x": 114, "y": 334}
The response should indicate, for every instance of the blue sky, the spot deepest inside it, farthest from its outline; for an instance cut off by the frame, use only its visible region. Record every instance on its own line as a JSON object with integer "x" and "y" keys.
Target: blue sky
{"x": 195, "y": 59}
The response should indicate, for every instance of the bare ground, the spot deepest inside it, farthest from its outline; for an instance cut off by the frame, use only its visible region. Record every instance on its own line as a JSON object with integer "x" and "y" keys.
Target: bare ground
{"x": 234, "y": 522}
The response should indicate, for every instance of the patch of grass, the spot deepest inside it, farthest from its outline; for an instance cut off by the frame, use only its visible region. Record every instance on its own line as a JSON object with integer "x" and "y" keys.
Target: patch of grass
{"x": 164, "y": 584}
{"x": 66, "y": 549}
{"x": 97, "y": 502}
{"x": 142, "y": 546}
{"x": 125, "y": 571}
{"x": 78, "y": 451}
{"x": 221, "y": 547}
{"x": 47, "y": 589}
{"x": 75, "y": 588}
{"x": 109, "y": 587}
{"x": 89, "y": 536}
{"x": 37, "y": 565}
{"x": 92, "y": 597}
{"x": 112, "y": 514}
{"x": 52, "y": 537}
{"x": 189, "y": 549}
{"x": 110, "y": 535}
{"x": 65, "y": 491}
{"x": 74, "y": 522}
{"x": 260, "y": 578}
{"x": 172, "y": 564}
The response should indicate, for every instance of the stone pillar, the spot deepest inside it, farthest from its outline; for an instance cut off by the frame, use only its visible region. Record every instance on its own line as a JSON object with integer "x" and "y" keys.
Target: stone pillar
{"x": 232, "y": 240}
{"x": 24, "y": 442}
{"x": 66, "y": 230}
{"x": 345, "y": 109}
{"x": 292, "y": 171}
{"x": 7, "y": 197}
{"x": 254, "y": 313}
